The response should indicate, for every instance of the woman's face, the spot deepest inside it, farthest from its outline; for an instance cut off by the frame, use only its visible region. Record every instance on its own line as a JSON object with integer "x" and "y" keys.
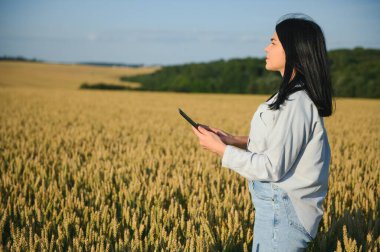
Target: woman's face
{"x": 275, "y": 59}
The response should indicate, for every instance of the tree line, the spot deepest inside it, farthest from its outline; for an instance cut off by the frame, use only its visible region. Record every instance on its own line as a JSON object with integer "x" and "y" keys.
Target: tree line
{"x": 355, "y": 73}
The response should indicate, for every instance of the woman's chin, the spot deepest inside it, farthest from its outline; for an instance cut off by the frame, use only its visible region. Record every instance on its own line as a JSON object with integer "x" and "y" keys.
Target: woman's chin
{"x": 267, "y": 67}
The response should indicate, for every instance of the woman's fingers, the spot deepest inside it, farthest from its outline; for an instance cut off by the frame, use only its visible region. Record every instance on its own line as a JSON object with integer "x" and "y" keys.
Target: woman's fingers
{"x": 196, "y": 132}
{"x": 206, "y": 127}
{"x": 203, "y": 130}
{"x": 212, "y": 129}
{"x": 221, "y": 132}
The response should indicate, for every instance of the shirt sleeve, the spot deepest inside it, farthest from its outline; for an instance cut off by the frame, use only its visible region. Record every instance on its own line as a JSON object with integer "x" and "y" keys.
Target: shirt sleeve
{"x": 287, "y": 138}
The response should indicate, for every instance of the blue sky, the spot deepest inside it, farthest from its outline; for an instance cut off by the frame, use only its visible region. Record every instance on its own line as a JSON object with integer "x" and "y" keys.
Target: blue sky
{"x": 171, "y": 32}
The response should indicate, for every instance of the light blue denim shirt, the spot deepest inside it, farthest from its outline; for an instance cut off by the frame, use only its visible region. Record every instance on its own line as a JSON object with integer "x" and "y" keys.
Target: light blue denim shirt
{"x": 288, "y": 147}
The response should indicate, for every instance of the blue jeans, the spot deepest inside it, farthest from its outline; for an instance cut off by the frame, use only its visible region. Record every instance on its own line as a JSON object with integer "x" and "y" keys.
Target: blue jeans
{"x": 276, "y": 225}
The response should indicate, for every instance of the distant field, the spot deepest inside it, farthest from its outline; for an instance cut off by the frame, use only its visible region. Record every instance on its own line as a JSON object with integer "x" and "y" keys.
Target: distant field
{"x": 99, "y": 170}
{"x": 43, "y": 75}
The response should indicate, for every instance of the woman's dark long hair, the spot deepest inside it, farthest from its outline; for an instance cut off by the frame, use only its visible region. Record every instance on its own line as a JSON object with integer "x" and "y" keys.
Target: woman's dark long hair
{"x": 305, "y": 49}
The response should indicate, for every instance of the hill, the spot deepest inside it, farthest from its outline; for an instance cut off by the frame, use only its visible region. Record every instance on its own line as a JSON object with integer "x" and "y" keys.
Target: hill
{"x": 64, "y": 76}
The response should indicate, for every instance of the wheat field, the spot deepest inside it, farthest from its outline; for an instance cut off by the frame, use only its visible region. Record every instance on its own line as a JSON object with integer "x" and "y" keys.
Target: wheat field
{"x": 85, "y": 170}
{"x": 63, "y": 76}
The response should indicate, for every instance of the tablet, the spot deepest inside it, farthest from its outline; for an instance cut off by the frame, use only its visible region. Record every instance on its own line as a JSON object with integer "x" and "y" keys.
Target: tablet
{"x": 188, "y": 118}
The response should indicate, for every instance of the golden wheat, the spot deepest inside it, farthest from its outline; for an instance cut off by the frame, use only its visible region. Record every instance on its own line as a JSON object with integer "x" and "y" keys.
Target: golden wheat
{"x": 116, "y": 171}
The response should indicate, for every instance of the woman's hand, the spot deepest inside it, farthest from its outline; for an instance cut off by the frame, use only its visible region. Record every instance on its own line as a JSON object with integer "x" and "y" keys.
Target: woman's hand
{"x": 226, "y": 138}
{"x": 209, "y": 140}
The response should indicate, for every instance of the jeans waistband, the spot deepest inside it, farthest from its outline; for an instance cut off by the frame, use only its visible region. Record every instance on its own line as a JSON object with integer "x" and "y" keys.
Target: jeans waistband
{"x": 266, "y": 189}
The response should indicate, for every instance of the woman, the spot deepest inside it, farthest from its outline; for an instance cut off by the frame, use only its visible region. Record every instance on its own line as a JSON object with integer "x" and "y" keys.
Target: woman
{"x": 286, "y": 156}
